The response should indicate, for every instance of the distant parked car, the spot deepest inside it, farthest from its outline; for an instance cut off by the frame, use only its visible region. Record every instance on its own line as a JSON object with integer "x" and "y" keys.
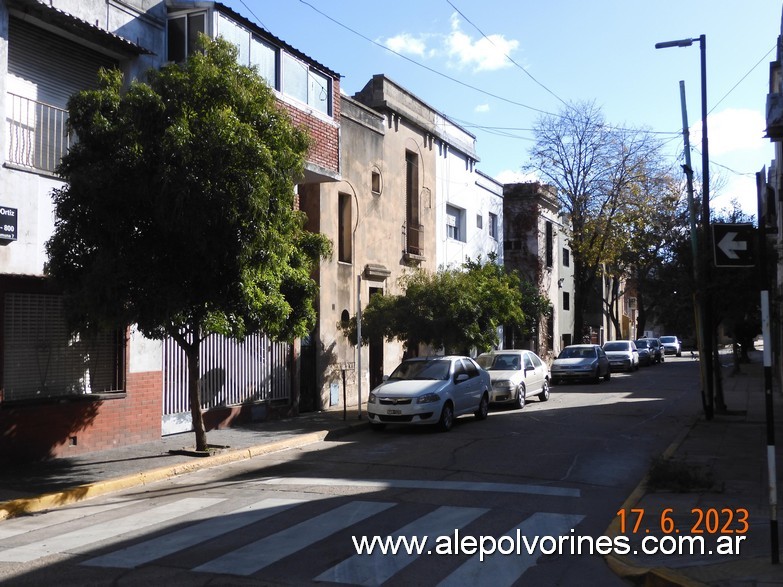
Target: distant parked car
{"x": 516, "y": 376}
{"x": 654, "y": 346}
{"x": 430, "y": 390}
{"x": 581, "y": 361}
{"x": 623, "y": 355}
{"x": 671, "y": 345}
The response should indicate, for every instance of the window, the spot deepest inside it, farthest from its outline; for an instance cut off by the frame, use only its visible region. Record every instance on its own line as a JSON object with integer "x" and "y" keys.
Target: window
{"x": 566, "y": 258}
{"x": 307, "y": 86}
{"x": 412, "y": 218}
{"x": 493, "y": 225}
{"x": 264, "y": 57}
{"x": 182, "y": 35}
{"x": 566, "y": 300}
{"x": 344, "y": 223}
{"x": 375, "y": 182}
{"x": 549, "y": 244}
{"x": 479, "y": 221}
{"x": 42, "y": 360}
{"x": 454, "y": 223}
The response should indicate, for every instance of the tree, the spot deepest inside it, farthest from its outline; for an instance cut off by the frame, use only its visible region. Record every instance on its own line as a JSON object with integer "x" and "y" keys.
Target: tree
{"x": 453, "y": 309}
{"x": 593, "y": 168}
{"x": 178, "y": 210}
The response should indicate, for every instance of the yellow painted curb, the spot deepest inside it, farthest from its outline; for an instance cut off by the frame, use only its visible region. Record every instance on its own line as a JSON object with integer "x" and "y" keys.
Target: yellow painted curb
{"x": 27, "y": 505}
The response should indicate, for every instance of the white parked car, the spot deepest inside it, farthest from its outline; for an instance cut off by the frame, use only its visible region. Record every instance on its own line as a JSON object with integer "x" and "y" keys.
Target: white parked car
{"x": 671, "y": 345}
{"x": 623, "y": 355}
{"x": 430, "y": 390}
{"x": 516, "y": 376}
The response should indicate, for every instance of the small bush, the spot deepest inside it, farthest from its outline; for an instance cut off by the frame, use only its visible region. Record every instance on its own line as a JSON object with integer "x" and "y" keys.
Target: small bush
{"x": 678, "y": 476}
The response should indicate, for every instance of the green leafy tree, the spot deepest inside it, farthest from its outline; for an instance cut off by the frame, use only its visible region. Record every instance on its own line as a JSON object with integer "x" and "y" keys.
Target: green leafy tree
{"x": 178, "y": 210}
{"x": 452, "y": 309}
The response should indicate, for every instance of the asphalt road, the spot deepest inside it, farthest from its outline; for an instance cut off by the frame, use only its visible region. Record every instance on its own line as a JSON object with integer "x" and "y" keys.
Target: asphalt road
{"x": 557, "y": 468}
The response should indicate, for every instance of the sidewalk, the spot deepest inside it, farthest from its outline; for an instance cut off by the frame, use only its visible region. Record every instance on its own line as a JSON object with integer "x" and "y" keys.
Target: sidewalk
{"x": 727, "y": 457}
{"x": 721, "y": 467}
{"x": 38, "y": 486}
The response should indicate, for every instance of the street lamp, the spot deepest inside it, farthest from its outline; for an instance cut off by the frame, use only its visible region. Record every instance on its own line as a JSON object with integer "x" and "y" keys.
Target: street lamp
{"x": 705, "y": 353}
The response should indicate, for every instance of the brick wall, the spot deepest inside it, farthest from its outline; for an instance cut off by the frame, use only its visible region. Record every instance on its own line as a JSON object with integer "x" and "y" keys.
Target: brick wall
{"x": 54, "y": 430}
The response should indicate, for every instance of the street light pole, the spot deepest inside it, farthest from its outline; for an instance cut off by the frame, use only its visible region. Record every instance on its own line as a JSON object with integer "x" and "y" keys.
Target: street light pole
{"x": 706, "y": 350}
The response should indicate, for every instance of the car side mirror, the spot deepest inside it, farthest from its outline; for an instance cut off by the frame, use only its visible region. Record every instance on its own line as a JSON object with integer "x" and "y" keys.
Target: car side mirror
{"x": 461, "y": 377}
{"x": 385, "y": 378}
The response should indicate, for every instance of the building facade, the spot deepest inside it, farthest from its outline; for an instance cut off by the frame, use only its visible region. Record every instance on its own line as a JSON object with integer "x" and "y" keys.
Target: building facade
{"x": 59, "y": 394}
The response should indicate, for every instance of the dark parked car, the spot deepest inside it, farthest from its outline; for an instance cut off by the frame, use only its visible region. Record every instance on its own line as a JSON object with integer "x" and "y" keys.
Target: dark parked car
{"x": 654, "y": 347}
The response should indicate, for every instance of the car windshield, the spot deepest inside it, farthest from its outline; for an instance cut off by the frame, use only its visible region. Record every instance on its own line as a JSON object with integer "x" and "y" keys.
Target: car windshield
{"x": 506, "y": 363}
{"x": 436, "y": 369}
{"x": 668, "y": 339}
{"x": 643, "y": 344}
{"x": 577, "y": 353}
{"x": 616, "y": 346}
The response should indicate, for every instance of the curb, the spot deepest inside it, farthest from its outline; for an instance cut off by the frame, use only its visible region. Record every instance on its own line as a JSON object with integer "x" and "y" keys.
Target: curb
{"x": 649, "y": 576}
{"x": 28, "y": 505}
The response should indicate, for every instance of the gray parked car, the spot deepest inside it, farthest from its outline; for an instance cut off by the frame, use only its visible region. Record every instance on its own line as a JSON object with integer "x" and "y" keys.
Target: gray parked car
{"x": 654, "y": 346}
{"x": 581, "y": 361}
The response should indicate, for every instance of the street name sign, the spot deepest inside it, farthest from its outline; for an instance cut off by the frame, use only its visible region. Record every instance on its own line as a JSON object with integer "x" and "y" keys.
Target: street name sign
{"x": 734, "y": 245}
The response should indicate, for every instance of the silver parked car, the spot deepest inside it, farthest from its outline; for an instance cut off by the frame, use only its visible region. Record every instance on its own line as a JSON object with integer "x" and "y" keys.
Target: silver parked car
{"x": 516, "y": 376}
{"x": 671, "y": 345}
{"x": 430, "y": 390}
{"x": 623, "y": 355}
{"x": 581, "y": 361}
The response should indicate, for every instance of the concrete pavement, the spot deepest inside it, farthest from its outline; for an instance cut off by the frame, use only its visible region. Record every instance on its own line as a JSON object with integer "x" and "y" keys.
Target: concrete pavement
{"x": 705, "y": 481}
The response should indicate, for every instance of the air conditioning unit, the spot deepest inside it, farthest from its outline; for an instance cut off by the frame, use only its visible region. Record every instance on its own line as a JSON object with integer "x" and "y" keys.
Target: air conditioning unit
{"x": 775, "y": 117}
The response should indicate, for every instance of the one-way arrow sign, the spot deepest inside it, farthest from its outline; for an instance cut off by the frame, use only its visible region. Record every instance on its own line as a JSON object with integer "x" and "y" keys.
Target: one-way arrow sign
{"x": 734, "y": 245}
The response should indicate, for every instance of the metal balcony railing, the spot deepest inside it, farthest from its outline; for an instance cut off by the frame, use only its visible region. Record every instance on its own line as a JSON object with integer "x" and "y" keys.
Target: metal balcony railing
{"x": 37, "y": 133}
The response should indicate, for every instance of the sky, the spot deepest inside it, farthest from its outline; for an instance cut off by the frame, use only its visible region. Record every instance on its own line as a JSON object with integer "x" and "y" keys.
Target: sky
{"x": 495, "y": 67}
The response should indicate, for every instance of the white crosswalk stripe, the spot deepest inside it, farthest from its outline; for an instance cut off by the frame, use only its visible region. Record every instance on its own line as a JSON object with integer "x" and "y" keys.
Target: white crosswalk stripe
{"x": 105, "y": 531}
{"x": 139, "y": 554}
{"x": 239, "y": 556}
{"x": 254, "y": 557}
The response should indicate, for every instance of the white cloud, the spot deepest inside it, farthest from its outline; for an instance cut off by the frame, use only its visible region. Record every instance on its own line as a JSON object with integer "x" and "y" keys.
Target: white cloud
{"x": 732, "y": 130}
{"x": 405, "y": 43}
{"x": 482, "y": 108}
{"x": 486, "y": 54}
{"x": 740, "y": 188}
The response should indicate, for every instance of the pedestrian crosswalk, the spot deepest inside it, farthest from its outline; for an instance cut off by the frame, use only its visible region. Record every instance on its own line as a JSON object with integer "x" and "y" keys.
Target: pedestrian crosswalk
{"x": 213, "y": 534}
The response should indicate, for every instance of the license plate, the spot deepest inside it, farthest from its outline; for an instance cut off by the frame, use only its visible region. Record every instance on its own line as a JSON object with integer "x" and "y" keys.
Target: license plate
{"x": 394, "y": 412}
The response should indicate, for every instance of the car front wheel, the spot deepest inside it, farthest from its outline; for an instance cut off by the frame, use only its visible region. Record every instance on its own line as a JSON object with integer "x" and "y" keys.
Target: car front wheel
{"x": 446, "y": 420}
{"x": 520, "y": 397}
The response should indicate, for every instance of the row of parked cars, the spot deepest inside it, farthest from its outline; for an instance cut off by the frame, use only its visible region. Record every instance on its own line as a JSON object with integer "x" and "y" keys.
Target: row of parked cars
{"x": 436, "y": 390}
{"x": 594, "y": 362}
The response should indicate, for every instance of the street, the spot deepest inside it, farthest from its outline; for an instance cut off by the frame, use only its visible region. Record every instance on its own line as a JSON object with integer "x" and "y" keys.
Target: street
{"x": 557, "y": 468}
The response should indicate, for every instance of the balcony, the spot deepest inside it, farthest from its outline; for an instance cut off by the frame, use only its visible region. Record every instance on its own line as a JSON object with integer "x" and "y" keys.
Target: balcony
{"x": 37, "y": 134}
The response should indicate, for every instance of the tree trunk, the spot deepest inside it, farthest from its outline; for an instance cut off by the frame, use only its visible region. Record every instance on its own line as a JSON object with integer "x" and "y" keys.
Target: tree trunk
{"x": 192, "y": 352}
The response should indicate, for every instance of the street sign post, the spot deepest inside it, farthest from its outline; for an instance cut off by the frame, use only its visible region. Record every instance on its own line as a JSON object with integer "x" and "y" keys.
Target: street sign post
{"x": 734, "y": 245}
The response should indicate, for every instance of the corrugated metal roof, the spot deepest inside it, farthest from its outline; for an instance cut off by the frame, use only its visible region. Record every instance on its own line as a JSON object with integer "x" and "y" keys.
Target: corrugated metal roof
{"x": 78, "y": 29}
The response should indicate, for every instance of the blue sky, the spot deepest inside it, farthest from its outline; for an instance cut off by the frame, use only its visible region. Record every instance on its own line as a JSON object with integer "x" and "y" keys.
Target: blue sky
{"x": 494, "y": 66}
